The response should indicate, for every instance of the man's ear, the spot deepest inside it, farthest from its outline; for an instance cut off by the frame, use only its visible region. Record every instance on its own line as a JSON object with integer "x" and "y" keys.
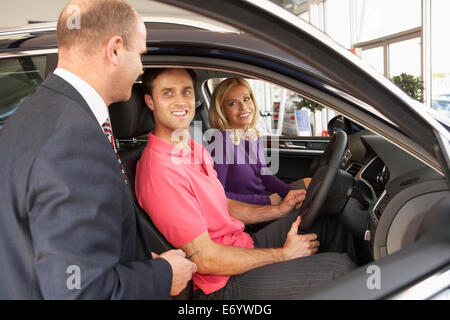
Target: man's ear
{"x": 149, "y": 101}
{"x": 114, "y": 50}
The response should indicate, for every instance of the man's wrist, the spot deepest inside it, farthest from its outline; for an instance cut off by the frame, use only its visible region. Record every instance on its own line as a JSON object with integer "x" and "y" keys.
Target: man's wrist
{"x": 281, "y": 253}
{"x": 282, "y": 210}
{"x": 274, "y": 212}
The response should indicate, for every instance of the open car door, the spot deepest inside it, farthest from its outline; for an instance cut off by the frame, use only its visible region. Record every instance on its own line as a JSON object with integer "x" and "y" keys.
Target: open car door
{"x": 405, "y": 271}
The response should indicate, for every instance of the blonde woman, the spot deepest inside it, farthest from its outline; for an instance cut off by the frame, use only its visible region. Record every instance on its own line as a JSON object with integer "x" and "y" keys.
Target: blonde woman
{"x": 241, "y": 168}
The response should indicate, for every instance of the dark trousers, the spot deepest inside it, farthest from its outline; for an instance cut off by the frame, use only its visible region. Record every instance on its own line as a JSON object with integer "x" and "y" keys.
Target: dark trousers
{"x": 290, "y": 279}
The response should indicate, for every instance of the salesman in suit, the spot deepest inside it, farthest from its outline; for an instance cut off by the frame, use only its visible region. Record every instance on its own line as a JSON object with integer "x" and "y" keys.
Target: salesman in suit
{"x": 68, "y": 226}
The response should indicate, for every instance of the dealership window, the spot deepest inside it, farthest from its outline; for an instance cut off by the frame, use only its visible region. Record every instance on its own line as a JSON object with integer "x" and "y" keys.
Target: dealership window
{"x": 282, "y": 111}
{"x": 440, "y": 56}
{"x": 394, "y": 37}
{"x": 380, "y": 18}
{"x": 374, "y": 57}
{"x": 395, "y": 54}
{"x": 305, "y": 15}
{"x": 337, "y": 21}
{"x": 297, "y": 7}
{"x": 19, "y": 77}
{"x": 405, "y": 57}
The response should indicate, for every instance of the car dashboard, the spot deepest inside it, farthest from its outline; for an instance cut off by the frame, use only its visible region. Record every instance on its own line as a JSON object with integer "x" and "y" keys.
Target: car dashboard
{"x": 402, "y": 189}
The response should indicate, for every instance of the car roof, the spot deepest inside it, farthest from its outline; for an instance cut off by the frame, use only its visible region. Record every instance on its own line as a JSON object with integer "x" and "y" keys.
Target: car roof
{"x": 159, "y": 33}
{"x": 163, "y": 32}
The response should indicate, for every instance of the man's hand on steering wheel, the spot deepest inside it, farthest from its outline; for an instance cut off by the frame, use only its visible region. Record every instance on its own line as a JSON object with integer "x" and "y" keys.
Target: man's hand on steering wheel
{"x": 299, "y": 245}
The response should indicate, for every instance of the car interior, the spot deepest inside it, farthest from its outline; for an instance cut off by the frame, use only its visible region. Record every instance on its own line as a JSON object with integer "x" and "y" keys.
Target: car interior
{"x": 381, "y": 192}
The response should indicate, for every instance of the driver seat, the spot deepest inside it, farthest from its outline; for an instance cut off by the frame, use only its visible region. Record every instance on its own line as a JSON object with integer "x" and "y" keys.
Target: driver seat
{"x": 131, "y": 122}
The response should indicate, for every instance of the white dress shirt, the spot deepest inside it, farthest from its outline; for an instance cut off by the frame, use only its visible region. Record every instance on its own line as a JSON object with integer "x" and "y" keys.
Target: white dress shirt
{"x": 92, "y": 98}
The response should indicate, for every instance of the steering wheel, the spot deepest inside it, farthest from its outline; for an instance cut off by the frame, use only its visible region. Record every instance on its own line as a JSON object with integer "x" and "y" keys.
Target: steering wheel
{"x": 322, "y": 179}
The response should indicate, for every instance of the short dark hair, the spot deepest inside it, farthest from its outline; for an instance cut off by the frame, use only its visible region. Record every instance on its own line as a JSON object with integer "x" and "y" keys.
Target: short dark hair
{"x": 150, "y": 74}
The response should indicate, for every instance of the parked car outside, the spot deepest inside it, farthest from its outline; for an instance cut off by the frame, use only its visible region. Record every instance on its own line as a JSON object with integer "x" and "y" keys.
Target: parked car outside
{"x": 441, "y": 103}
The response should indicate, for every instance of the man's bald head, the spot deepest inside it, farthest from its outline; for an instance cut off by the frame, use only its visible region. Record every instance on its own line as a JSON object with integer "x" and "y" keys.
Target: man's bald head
{"x": 89, "y": 24}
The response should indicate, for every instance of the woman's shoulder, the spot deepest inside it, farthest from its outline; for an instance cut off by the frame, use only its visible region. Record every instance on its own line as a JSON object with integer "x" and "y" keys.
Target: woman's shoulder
{"x": 214, "y": 136}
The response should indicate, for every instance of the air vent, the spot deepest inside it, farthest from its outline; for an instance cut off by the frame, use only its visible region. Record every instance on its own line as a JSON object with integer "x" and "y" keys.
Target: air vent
{"x": 354, "y": 169}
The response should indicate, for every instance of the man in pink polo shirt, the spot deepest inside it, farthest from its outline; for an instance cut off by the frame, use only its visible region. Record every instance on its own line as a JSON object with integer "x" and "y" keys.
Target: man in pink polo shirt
{"x": 177, "y": 186}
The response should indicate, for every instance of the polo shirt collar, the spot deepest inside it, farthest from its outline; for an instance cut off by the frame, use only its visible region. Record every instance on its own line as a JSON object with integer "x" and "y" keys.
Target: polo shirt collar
{"x": 162, "y": 146}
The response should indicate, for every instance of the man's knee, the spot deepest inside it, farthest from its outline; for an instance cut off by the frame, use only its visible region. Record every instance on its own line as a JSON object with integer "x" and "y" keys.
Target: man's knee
{"x": 342, "y": 264}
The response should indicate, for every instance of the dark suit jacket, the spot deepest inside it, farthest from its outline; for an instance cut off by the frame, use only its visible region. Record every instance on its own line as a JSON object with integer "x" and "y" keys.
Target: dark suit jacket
{"x": 68, "y": 225}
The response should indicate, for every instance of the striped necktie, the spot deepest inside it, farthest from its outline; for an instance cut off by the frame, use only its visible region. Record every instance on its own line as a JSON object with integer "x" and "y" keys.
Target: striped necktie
{"x": 108, "y": 132}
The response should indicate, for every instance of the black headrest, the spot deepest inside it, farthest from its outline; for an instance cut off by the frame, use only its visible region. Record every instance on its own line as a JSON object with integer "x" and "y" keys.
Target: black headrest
{"x": 131, "y": 118}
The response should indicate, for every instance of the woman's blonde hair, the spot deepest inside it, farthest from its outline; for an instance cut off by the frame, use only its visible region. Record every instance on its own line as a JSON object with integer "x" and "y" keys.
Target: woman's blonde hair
{"x": 217, "y": 118}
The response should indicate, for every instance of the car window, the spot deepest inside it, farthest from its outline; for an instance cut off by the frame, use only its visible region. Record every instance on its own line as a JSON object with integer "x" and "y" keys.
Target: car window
{"x": 284, "y": 112}
{"x": 19, "y": 77}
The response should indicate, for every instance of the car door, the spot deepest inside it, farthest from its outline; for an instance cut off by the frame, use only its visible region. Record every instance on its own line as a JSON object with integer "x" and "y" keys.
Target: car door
{"x": 295, "y": 132}
{"x": 427, "y": 140}
{"x": 19, "y": 77}
{"x": 298, "y": 156}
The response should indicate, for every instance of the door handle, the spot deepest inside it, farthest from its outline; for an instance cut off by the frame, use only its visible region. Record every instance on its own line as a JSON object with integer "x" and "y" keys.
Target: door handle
{"x": 290, "y": 145}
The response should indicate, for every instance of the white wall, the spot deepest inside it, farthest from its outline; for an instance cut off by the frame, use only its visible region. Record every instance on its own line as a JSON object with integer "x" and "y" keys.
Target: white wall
{"x": 19, "y": 12}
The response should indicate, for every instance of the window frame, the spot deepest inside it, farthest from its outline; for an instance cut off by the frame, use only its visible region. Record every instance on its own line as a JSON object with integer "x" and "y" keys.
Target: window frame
{"x": 318, "y": 119}
{"x": 385, "y": 42}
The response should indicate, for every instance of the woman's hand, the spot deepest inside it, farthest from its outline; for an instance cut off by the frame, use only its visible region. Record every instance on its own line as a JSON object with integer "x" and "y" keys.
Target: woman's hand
{"x": 293, "y": 200}
{"x": 306, "y": 181}
{"x": 275, "y": 199}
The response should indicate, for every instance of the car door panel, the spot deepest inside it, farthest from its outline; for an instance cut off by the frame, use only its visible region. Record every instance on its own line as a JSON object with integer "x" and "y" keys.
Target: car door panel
{"x": 297, "y": 156}
{"x": 410, "y": 273}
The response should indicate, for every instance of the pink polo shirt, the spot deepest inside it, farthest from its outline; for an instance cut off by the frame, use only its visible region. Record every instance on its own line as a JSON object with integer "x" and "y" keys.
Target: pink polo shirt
{"x": 183, "y": 197}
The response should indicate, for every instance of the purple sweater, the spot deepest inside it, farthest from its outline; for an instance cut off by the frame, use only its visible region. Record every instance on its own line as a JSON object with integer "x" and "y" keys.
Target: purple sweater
{"x": 239, "y": 170}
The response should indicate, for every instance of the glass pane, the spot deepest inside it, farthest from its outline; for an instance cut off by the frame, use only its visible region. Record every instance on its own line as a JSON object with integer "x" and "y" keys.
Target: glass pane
{"x": 337, "y": 21}
{"x": 317, "y": 15}
{"x": 379, "y": 18}
{"x": 305, "y": 16}
{"x": 374, "y": 57}
{"x": 19, "y": 77}
{"x": 287, "y": 113}
{"x": 440, "y": 63}
{"x": 405, "y": 57}
{"x": 294, "y": 6}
